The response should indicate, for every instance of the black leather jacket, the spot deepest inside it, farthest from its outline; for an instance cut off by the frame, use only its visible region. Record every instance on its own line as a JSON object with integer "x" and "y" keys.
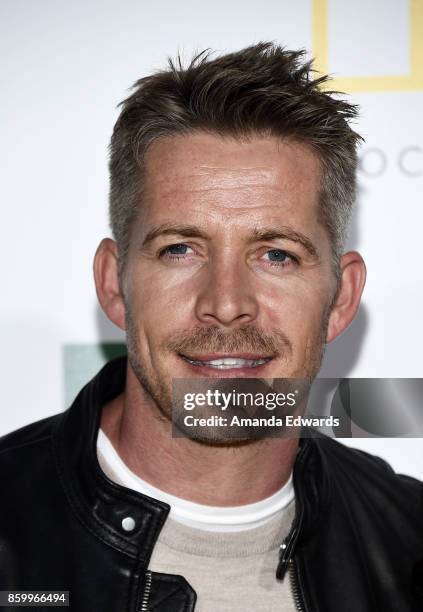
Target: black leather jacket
{"x": 356, "y": 544}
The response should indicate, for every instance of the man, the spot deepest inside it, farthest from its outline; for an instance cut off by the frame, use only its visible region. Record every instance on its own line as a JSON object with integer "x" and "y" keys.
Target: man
{"x": 232, "y": 183}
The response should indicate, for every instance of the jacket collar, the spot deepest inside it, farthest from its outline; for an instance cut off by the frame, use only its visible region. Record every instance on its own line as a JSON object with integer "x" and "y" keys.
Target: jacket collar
{"x": 101, "y": 505}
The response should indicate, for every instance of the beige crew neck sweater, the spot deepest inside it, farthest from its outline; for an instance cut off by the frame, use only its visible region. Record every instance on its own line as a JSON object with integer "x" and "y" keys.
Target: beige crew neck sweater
{"x": 230, "y": 572}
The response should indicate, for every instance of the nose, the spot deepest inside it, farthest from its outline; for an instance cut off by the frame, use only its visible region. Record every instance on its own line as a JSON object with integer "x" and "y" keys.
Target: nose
{"x": 227, "y": 297}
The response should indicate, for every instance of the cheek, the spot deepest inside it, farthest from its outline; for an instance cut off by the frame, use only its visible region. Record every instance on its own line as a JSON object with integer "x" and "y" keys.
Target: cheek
{"x": 297, "y": 309}
{"x": 160, "y": 305}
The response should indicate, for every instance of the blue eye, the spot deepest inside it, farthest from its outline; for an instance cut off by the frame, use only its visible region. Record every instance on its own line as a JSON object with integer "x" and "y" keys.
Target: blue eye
{"x": 277, "y": 256}
{"x": 176, "y": 249}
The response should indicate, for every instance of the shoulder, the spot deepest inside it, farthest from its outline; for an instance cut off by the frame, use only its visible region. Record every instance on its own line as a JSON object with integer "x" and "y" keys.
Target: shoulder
{"x": 29, "y": 478}
{"x": 366, "y": 476}
{"x": 28, "y": 439}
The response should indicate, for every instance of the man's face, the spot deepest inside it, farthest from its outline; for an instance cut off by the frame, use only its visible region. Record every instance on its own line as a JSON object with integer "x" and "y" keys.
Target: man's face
{"x": 229, "y": 269}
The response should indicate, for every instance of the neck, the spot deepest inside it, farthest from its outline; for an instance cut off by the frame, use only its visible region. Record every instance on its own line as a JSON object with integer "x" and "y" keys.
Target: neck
{"x": 205, "y": 474}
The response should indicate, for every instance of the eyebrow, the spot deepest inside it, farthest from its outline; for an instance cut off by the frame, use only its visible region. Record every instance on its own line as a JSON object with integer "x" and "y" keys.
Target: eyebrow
{"x": 285, "y": 233}
{"x": 258, "y": 234}
{"x": 166, "y": 229}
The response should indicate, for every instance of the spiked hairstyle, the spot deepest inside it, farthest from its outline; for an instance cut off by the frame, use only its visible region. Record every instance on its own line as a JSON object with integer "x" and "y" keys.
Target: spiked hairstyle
{"x": 263, "y": 89}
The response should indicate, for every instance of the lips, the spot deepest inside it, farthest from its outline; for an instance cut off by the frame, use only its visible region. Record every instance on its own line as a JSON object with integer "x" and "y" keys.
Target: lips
{"x": 233, "y": 362}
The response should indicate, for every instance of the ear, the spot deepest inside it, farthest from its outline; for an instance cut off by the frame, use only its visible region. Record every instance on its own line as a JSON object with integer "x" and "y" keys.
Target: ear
{"x": 106, "y": 278}
{"x": 350, "y": 288}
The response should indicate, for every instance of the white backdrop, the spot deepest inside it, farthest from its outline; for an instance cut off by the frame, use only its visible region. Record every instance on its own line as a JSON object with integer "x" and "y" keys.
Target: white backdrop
{"x": 66, "y": 65}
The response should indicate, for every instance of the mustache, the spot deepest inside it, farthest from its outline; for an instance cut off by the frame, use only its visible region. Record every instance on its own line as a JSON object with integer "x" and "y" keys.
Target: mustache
{"x": 243, "y": 339}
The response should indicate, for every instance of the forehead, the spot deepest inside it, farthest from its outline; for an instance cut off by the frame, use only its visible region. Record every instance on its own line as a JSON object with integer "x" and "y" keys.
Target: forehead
{"x": 208, "y": 173}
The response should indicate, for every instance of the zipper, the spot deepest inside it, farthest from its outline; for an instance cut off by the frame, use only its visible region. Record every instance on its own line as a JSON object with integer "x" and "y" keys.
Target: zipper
{"x": 287, "y": 563}
{"x": 293, "y": 580}
{"x": 147, "y": 591}
{"x": 287, "y": 548}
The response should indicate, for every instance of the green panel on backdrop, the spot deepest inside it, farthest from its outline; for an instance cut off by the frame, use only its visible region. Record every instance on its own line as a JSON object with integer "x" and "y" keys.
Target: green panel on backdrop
{"x": 82, "y": 361}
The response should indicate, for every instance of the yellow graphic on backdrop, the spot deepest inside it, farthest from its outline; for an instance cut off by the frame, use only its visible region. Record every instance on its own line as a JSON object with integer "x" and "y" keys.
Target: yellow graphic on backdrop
{"x": 413, "y": 80}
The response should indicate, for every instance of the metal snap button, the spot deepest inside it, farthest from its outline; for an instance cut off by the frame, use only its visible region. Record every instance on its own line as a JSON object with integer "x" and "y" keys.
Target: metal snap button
{"x": 128, "y": 523}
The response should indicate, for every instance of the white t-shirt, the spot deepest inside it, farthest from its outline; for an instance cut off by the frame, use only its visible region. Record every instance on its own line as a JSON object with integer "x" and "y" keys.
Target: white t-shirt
{"x": 198, "y": 516}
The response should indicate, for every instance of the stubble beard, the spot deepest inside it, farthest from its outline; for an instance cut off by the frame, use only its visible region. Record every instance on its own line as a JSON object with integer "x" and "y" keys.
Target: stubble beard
{"x": 213, "y": 339}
